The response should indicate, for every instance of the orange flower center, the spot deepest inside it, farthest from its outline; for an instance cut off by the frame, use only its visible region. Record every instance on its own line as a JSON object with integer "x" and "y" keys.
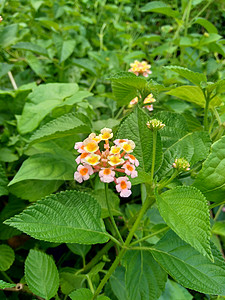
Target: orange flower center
{"x": 114, "y": 159}
{"x": 83, "y": 155}
{"x": 123, "y": 184}
{"x": 130, "y": 168}
{"x": 107, "y": 171}
{"x": 115, "y": 150}
{"x": 106, "y": 135}
{"x": 83, "y": 171}
{"x": 127, "y": 147}
{"x": 131, "y": 156}
{"x": 92, "y": 147}
{"x": 92, "y": 160}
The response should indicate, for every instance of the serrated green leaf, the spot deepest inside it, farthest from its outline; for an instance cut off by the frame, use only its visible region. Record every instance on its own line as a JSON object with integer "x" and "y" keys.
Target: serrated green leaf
{"x": 81, "y": 294}
{"x": 46, "y": 166}
{"x": 44, "y": 99}
{"x": 188, "y": 267}
{"x": 125, "y": 86}
{"x": 66, "y": 217}
{"x": 4, "y": 285}
{"x": 134, "y": 128}
{"x": 31, "y": 47}
{"x": 7, "y": 257}
{"x": 174, "y": 291}
{"x": 193, "y": 77}
{"x": 193, "y": 147}
{"x": 3, "y": 182}
{"x": 41, "y": 274}
{"x": 193, "y": 94}
{"x": 65, "y": 125}
{"x": 218, "y": 86}
{"x": 211, "y": 179}
{"x": 118, "y": 285}
{"x": 206, "y": 24}
{"x": 176, "y": 127}
{"x": 186, "y": 211}
{"x": 79, "y": 249}
{"x": 160, "y": 7}
{"x": 145, "y": 279}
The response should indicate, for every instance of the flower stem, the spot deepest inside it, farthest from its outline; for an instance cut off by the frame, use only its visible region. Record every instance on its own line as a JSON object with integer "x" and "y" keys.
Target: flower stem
{"x": 110, "y": 213}
{"x": 149, "y": 236}
{"x": 153, "y": 153}
{"x": 144, "y": 208}
{"x": 174, "y": 175}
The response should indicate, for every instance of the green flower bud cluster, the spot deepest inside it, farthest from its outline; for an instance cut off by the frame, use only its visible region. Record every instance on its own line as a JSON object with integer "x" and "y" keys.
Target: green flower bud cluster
{"x": 155, "y": 125}
{"x": 181, "y": 165}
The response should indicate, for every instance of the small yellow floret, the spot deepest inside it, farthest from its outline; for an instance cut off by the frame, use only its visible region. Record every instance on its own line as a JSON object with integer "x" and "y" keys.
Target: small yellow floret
{"x": 115, "y": 160}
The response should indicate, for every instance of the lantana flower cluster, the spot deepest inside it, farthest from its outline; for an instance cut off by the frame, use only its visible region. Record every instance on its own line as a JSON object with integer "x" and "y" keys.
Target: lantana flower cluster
{"x": 149, "y": 99}
{"x": 140, "y": 68}
{"x": 181, "y": 164}
{"x": 108, "y": 161}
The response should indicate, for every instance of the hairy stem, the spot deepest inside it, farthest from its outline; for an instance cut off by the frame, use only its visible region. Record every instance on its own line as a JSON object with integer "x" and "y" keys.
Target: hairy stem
{"x": 153, "y": 154}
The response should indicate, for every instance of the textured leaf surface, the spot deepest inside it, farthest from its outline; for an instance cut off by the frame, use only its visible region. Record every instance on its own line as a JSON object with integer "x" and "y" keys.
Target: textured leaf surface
{"x": 44, "y": 99}
{"x": 125, "y": 86}
{"x": 211, "y": 179}
{"x": 41, "y": 274}
{"x": 176, "y": 127}
{"x": 185, "y": 210}
{"x": 134, "y": 128}
{"x": 69, "y": 281}
{"x": 46, "y": 166}
{"x": 194, "y": 95}
{"x": 145, "y": 279}
{"x": 66, "y": 217}
{"x": 81, "y": 294}
{"x": 174, "y": 291}
{"x": 65, "y": 125}
{"x": 118, "y": 285}
{"x": 193, "y": 77}
{"x": 3, "y": 182}
{"x": 190, "y": 268}
{"x": 193, "y": 147}
{"x": 7, "y": 257}
{"x": 4, "y": 284}
{"x": 160, "y": 7}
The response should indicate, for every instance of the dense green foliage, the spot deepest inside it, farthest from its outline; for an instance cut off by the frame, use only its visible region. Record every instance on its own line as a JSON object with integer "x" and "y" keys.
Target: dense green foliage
{"x": 63, "y": 75}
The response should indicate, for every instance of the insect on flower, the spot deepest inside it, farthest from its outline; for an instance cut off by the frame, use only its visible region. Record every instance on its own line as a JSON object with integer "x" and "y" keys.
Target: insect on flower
{"x": 140, "y": 68}
{"x": 109, "y": 163}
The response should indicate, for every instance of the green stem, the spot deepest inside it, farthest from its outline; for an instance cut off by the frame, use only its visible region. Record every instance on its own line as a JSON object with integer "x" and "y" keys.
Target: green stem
{"x": 187, "y": 17}
{"x": 92, "y": 84}
{"x": 110, "y": 213}
{"x": 218, "y": 212}
{"x": 6, "y": 277}
{"x": 149, "y": 236}
{"x": 206, "y": 115}
{"x": 153, "y": 154}
{"x": 123, "y": 250}
{"x": 90, "y": 284}
{"x": 174, "y": 175}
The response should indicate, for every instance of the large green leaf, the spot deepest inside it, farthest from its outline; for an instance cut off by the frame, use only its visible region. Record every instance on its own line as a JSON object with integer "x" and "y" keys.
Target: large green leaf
{"x": 46, "y": 166}
{"x": 194, "y": 95}
{"x": 193, "y": 77}
{"x": 31, "y": 47}
{"x": 125, "y": 86}
{"x": 190, "y": 268}
{"x": 7, "y": 257}
{"x": 44, "y": 99}
{"x": 65, "y": 125}
{"x": 193, "y": 147}
{"x": 174, "y": 291}
{"x": 160, "y": 7}
{"x": 66, "y": 217}
{"x": 134, "y": 128}
{"x": 3, "y": 182}
{"x": 145, "y": 279}
{"x": 211, "y": 179}
{"x": 81, "y": 294}
{"x": 186, "y": 211}
{"x": 41, "y": 274}
{"x": 118, "y": 285}
{"x": 4, "y": 285}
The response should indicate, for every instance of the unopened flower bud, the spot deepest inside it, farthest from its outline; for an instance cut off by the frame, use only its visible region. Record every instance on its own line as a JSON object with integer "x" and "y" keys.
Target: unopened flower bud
{"x": 155, "y": 124}
{"x": 181, "y": 165}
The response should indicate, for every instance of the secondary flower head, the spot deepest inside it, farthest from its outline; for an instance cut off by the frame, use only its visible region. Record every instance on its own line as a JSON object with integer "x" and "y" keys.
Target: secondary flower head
{"x": 109, "y": 163}
{"x": 1, "y": 19}
{"x": 133, "y": 101}
{"x": 140, "y": 68}
{"x": 181, "y": 165}
{"x": 123, "y": 186}
{"x": 155, "y": 125}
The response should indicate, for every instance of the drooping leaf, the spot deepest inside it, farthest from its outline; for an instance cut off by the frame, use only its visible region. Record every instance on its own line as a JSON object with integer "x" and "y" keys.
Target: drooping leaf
{"x": 188, "y": 267}
{"x": 211, "y": 179}
{"x": 41, "y": 274}
{"x": 193, "y": 147}
{"x": 174, "y": 291}
{"x": 194, "y": 95}
{"x": 79, "y": 249}
{"x": 46, "y": 166}
{"x": 66, "y": 217}
{"x": 186, "y": 211}
{"x": 206, "y": 24}
{"x": 3, "y": 182}
{"x": 193, "y": 77}
{"x": 31, "y": 47}
{"x": 145, "y": 279}
{"x": 125, "y": 86}
{"x": 134, "y": 128}
{"x": 7, "y": 257}
{"x": 4, "y": 285}
{"x": 160, "y": 7}
{"x": 65, "y": 125}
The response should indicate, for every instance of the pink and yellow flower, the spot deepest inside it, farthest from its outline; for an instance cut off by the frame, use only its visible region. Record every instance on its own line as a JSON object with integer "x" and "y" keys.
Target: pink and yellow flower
{"x": 92, "y": 159}
{"x": 123, "y": 186}
{"x": 79, "y": 146}
{"x": 107, "y": 175}
{"x": 130, "y": 169}
{"x": 134, "y": 101}
{"x": 90, "y": 145}
{"x": 140, "y": 68}
{"x": 128, "y": 146}
{"x": 83, "y": 173}
{"x": 115, "y": 150}
{"x": 132, "y": 159}
{"x": 115, "y": 160}
{"x": 106, "y": 134}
